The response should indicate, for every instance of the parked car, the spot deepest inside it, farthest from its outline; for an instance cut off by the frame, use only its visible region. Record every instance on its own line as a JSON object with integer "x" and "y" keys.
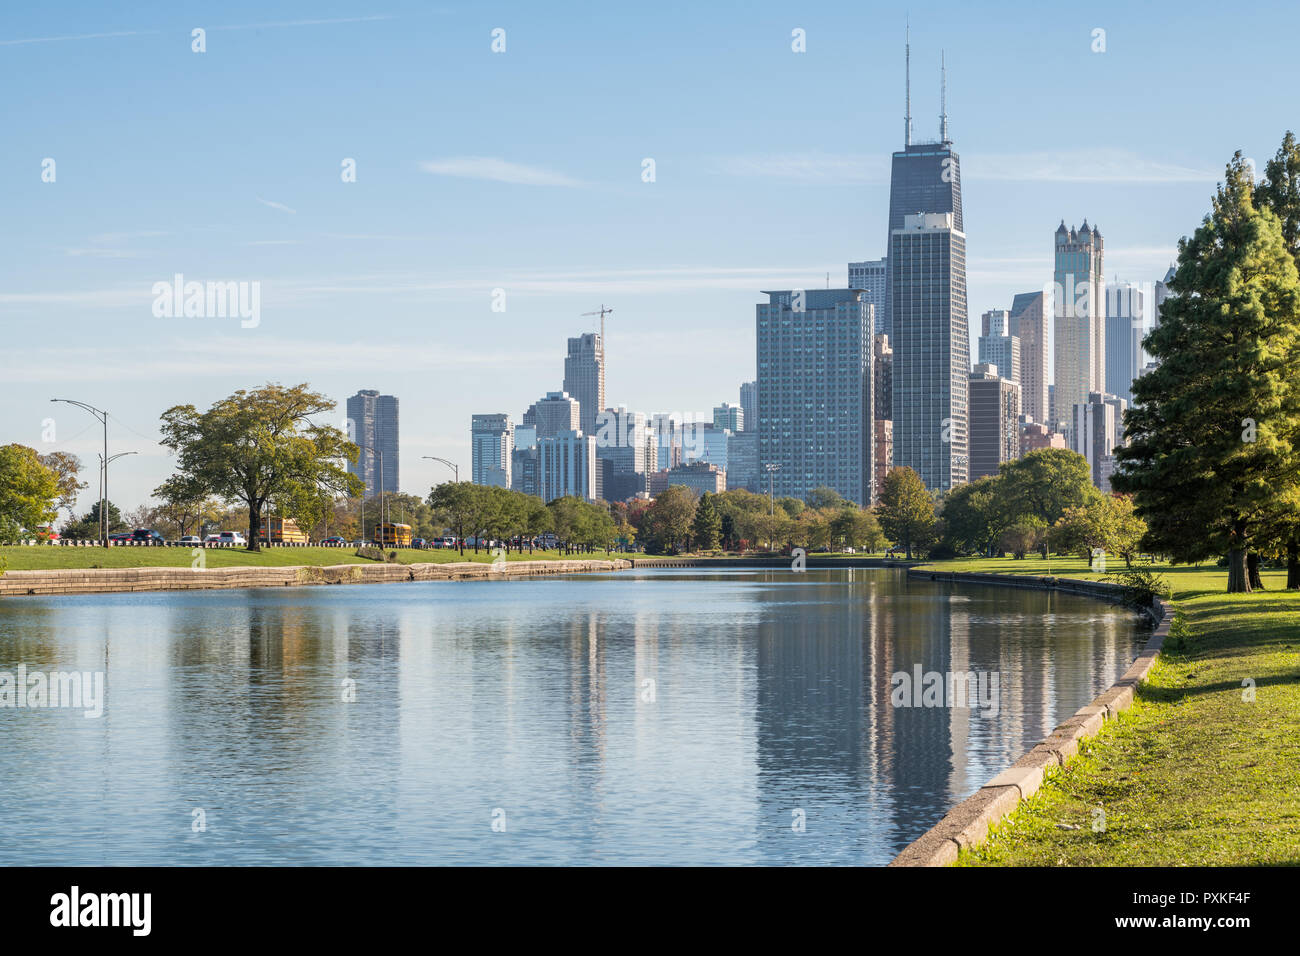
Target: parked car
{"x": 122, "y": 536}
{"x": 335, "y": 541}
{"x": 47, "y": 534}
{"x": 191, "y": 539}
{"x": 227, "y": 537}
{"x": 147, "y": 534}
{"x": 419, "y": 543}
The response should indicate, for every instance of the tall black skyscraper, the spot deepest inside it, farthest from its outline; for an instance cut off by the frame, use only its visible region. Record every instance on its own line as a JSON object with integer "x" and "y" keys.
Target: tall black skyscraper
{"x": 926, "y": 304}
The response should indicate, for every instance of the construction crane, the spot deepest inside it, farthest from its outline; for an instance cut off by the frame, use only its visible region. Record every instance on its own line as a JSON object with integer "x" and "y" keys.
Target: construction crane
{"x": 601, "y": 313}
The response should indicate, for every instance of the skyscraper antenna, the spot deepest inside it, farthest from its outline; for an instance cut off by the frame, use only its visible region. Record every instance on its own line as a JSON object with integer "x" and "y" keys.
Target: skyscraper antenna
{"x": 943, "y": 99}
{"x": 907, "y": 84}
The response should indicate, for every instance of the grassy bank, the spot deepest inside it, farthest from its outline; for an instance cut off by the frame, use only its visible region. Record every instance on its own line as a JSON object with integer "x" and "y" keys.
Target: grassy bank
{"x": 41, "y": 558}
{"x": 1193, "y": 774}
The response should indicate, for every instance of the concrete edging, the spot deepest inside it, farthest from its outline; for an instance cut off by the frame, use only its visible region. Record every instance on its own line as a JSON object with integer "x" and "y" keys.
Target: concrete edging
{"x": 113, "y": 580}
{"x": 967, "y": 824}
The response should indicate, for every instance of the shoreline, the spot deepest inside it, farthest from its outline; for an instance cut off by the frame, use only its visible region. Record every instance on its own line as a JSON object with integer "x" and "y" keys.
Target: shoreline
{"x": 968, "y": 823}
{"x": 47, "y": 581}
{"x": 118, "y": 580}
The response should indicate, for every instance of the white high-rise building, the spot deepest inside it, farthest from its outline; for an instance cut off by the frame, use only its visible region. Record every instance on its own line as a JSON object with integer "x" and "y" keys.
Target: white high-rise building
{"x": 491, "y": 448}
{"x": 871, "y": 277}
{"x": 566, "y": 465}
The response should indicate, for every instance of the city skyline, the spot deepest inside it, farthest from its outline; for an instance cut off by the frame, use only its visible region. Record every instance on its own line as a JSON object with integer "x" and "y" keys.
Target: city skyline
{"x": 114, "y": 224}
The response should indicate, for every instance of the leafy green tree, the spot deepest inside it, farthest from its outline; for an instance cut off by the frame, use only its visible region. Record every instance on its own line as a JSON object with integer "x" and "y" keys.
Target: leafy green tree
{"x": 791, "y": 506}
{"x": 67, "y": 467}
{"x": 1211, "y": 459}
{"x": 1044, "y": 483}
{"x": 906, "y": 510}
{"x": 87, "y": 527}
{"x": 1280, "y": 192}
{"x": 261, "y": 444}
{"x": 975, "y": 516}
{"x": 28, "y": 492}
{"x": 706, "y": 528}
{"x": 184, "y": 503}
{"x": 460, "y": 505}
{"x": 823, "y": 498}
{"x": 668, "y": 519}
{"x": 1023, "y": 535}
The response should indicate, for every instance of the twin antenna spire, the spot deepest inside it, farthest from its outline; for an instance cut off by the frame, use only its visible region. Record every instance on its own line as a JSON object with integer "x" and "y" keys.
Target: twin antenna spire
{"x": 943, "y": 93}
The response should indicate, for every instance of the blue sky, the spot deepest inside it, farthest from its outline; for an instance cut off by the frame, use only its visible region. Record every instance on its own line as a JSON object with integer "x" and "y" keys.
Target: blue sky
{"x": 522, "y": 171}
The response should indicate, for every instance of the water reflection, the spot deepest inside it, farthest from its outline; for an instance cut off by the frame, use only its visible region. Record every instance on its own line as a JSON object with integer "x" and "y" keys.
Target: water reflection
{"x": 669, "y": 716}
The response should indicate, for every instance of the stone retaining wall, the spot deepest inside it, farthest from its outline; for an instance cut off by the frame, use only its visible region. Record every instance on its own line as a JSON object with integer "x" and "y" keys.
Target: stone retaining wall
{"x": 109, "y": 580}
{"x": 967, "y": 824}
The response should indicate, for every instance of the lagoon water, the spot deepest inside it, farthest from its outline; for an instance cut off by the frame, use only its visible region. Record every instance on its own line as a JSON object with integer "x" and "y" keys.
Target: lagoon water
{"x": 671, "y": 716}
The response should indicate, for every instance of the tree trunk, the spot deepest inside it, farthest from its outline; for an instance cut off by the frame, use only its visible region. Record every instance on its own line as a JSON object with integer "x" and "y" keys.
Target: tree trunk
{"x": 1252, "y": 571}
{"x": 1293, "y": 564}
{"x": 1238, "y": 582}
{"x": 253, "y": 515}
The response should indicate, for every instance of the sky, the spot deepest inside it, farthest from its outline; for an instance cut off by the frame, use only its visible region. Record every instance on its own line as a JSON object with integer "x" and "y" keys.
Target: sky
{"x": 520, "y": 172}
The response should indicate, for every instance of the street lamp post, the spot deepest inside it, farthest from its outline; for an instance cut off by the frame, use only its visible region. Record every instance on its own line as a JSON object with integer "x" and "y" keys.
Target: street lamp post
{"x": 102, "y": 415}
{"x": 455, "y": 469}
{"x": 103, "y": 474}
{"x": 771, "y": 468}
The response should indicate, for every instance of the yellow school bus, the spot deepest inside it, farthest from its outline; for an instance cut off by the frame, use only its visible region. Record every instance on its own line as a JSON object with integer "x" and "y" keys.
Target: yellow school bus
{"x": 282, "y": 531}
{"x": 394, "y": 535}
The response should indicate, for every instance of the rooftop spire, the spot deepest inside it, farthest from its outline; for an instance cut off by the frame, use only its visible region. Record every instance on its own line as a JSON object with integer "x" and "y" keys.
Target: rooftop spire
{"x": 907, "y": 82}
{"x": 943, "y": 98}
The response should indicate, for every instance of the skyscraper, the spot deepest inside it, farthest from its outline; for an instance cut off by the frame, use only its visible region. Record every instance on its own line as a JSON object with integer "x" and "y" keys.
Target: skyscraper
{"x": 554, "y": 414}
{"x": 882, "y": 381}
{"x": 998, "y": 345}
{"x": 372, "y": 420}
{"x": 1094, "y": 433}
{"x": 871, "y": 277}
{"x": 584, "y": 378}
{"x": 728, "y": 416}
{"x": 1080, "y": 294}
{"x": 523, "y": 461}
{"x": 628, "y": 451}
{"x": 491, "y": 446}
{"x": 882, "y": 377}
{"x": 926, "y": 303}
{"x": 994, "y": 421}
{"x": 815, "y": 392}
{"x": 1029, "y": 313}
{"x": 749, "y": 405}
{"x": 1125, "y": 305}
{"x": 567, "y": 465}
{"x": 931, "y": 340}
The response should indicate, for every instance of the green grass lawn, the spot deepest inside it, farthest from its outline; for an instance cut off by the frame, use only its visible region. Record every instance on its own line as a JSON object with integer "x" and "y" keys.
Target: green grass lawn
{"x": 1192, "y": 774}
{"x": 42, "y": 557}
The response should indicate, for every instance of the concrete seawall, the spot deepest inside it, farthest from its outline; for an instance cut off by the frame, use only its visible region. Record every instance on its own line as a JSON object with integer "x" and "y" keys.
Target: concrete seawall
{"x": 967, "y": 824}
{"x": 110, "y": 580}
{"x": 778, "y": 562}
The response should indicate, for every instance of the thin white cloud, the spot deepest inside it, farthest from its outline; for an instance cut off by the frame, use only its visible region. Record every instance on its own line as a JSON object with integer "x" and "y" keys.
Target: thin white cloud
{"x": 496, "y": 170}
{"x": 120, "y": 237}
{"x": 810, "y": 168}
{"x": 104, "y": 252}
{"x": 302, "y": 23}
{"x": 274, "y": 242}
{"x": 79, "y": 36}
{"x": 288, "y": 292}
{"x": 255, "y": 354}
{"x": 1081, "y": 166}
{"x": 277, "y": 205}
